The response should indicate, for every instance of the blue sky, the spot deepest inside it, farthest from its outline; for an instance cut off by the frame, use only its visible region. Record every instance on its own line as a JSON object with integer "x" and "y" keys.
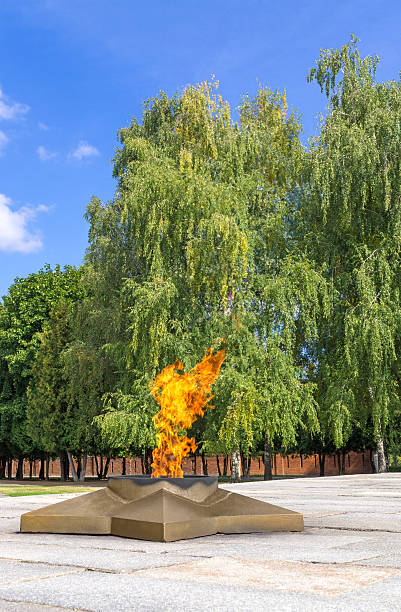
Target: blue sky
{"x": 73, "y": 72}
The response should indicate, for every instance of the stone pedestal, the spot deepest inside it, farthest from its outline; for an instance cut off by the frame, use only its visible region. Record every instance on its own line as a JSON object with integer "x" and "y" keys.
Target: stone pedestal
{"x": 162, "y": 510}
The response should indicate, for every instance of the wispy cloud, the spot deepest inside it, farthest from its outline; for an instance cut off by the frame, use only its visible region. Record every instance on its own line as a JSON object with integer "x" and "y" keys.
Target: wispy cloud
{"x": 3, "y": 141}
{"x": 44, "y": 154}
{"x": 43, "y": 126}
{"x": 15, "y": 236}
{"x": 83, "y": 150}
{"x": 11, "y": 110}
{"x": 44, "y": 208}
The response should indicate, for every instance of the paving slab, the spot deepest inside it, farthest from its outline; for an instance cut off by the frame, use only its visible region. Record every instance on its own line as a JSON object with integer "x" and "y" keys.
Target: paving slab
{"x": 16, "y": 571}
{"x": 348, "y": 558}
{"x": 89, "y": 558}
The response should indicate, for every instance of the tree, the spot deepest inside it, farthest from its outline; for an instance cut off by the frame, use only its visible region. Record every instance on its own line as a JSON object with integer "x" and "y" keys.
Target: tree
{"x": 351, "y": 229}
{"x": 54, "y": 421}
{"x": 47, "y": 401}
{"x": 98, "y": 359}
{"x": 203, "y": 203}
{"x": 25, "y": 310}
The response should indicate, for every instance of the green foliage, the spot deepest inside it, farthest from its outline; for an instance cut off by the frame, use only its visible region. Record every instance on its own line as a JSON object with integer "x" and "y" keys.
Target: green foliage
{"x": 226, "y": 232}
{"x": 25, "y": 308}
{"x": 23, "y": 316}
{"x": 351, "y": 229}
{"x": 203, "y": 203}
{"x": 52, "y": 421}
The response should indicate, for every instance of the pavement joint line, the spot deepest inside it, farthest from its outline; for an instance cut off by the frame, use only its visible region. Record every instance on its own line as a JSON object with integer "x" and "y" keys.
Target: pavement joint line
{"x": 355, "y": 563}
{"x": 142, "y": 569}
{"x": 313, "y": 515}
{"x": 78, "y": 568}
{"x": 193, "y": 556}
{"x": 85, "y": 568}
{"x": 361, "y": 529}
{"x": 36, "y": 578}
{"x": 369, "y": 559}
{"x": 57, "y": 544}
{"x": 364, "y": 496}
{"x": 43, "y": 604}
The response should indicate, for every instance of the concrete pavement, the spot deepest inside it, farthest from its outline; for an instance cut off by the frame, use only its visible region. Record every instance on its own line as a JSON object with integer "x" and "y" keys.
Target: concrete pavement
{"x": 348, "y": 558}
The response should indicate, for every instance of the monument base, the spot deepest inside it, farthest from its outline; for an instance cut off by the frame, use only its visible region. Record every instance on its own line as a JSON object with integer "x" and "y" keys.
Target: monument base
{"x": 161, "y": 510}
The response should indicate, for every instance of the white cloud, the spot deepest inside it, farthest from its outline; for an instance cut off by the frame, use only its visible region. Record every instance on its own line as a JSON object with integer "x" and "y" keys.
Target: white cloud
{"x": 44, "y": 154}
{"x": 14, "y": 235}
{"x": 43, "y": 126}
{"x": 84, "y": 149}
{"x": 11, "y": 110}
{"x": 44, "y": 208}
{"x": 3, "y": 141}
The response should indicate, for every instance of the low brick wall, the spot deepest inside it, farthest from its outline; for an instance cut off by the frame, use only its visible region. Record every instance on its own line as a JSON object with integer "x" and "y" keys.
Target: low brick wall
{"x": 292, "y": 465}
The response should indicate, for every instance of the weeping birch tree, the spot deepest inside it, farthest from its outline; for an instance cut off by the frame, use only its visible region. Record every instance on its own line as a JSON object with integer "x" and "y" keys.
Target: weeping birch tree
{"x": 351, "y": 213}
{"x": 209, "y": 260}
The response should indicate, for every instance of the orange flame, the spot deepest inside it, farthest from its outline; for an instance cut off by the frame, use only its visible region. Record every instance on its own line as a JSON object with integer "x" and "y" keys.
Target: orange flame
{"x": 182, "y": 398}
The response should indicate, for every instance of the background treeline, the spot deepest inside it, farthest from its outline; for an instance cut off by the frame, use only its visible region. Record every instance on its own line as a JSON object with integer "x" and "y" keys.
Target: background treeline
{"x": 225, "y": 231}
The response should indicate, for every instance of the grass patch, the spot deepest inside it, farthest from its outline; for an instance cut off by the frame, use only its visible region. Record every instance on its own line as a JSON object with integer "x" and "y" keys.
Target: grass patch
{"x": 23, "y": 490}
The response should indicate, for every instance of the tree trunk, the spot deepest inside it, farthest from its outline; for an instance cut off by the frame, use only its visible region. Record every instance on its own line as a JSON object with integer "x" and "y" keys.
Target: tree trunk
{"x": 218, "y": 465}
{"x": 225, "y": 465}
{"x": 103, "y": 468}
{"x": 10, "y": 468}
{"x": 2, "y": 467}
{"x": 20, "y": 474}
{"x": 83, "y": 467}
{"x": 99, "y": 466}
{"x": 381, "y": 457}
{"x": 64, "y": 466}
{"x": 79, "y": 465}
{"x": 236, "y": 466}
{"x": 72, "y": 466}
{"x": 124, "y": 467}
{"x": 339, "y": 464}
{"x": 343, "y": 462}
{"x": 148, "y": 461}
{"x": 373, "y": 461}
{"x": 204, "y": 464}
{"x": 267, "y": 459}
{"x": 322, "y": 461}
{"x": 245, "y": 464}
{"x": 106, "y": 467}
{"x": 30, "y": 468}
{"x": 47, "y": 461}
{"x": 42, "y": 467}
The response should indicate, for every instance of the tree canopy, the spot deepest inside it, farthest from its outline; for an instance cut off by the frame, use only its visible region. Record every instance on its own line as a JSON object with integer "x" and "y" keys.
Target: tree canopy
{"x": 204, "y": 203}
{"x": 226, "y": 232}
{"x": 351, "y": 229}
{"x": 24, "y": 313}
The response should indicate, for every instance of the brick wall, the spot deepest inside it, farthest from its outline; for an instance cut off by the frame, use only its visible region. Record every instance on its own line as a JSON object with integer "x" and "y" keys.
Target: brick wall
{"x": 293, "y": 465}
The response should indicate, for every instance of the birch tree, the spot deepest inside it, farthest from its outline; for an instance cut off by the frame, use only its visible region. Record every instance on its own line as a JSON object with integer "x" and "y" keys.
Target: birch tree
{"x": 204, "y": 203}
{"x": 351, "y": 213}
